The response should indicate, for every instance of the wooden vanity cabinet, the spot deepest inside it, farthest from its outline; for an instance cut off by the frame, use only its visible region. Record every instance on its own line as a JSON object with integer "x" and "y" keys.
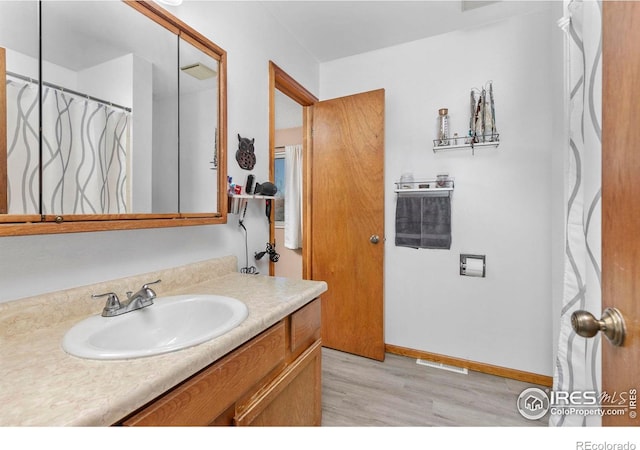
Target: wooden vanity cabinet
{"x": 273, "y": 379}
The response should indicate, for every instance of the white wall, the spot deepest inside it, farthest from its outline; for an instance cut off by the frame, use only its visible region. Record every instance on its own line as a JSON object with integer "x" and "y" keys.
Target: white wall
{"x": 197, "y": 146}
{"x": 164, "y": 176}
{"x": 110, "y": 81}
{"x": 142, "y": 127}
{"x": 503, "y": 202}
{"x": 35, "y": 264}
{"x": 559, "y": 167}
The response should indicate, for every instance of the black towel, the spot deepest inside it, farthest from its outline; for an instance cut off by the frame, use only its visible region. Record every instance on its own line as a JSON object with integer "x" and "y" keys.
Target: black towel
{"x": 423, "y": 220}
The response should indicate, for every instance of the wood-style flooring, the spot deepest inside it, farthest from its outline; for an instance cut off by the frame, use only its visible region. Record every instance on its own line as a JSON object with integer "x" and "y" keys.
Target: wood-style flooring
{"x": 358, "y": 391}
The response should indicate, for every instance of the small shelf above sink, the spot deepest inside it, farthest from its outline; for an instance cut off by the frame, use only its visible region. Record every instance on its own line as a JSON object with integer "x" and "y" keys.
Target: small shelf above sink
{"x": 238, "y": 201}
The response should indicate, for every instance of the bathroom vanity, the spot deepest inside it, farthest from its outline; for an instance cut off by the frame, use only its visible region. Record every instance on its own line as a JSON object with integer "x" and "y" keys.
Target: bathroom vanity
{"x": 274, "y": 379}
{"x": 266, "y": 371}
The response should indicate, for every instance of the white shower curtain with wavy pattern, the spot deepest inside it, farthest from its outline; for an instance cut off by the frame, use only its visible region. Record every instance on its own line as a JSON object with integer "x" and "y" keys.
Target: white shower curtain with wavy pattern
{"x": 23, "y": 180}
{"x": 85, "y": 153}
{"x": 577, "y": 365}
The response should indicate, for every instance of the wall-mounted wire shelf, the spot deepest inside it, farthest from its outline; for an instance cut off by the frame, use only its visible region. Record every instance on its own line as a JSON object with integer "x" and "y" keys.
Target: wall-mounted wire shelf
{"x": 252, "y": 196}
{"x": 426, "y": 186}
{"x": 237, "y": 202}
{"x": 461, "y": 143}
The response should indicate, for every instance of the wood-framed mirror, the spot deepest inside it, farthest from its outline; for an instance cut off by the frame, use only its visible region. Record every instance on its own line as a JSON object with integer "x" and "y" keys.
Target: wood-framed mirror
{"x": 112, "y": 116}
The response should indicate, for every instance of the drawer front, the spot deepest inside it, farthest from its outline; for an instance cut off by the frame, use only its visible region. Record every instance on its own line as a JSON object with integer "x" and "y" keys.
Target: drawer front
{"x": 305, "y": 326}
{"x": 200, "y": 400}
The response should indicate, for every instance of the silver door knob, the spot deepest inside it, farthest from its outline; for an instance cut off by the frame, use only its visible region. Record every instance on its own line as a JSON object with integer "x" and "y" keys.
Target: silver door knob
{"x": 374, "y": 239}
{"x": 611, "y": 324}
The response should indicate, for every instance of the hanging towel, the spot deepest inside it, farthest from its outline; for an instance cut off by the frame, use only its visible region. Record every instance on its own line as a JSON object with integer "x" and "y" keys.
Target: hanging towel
{"x": 423, "y": 220}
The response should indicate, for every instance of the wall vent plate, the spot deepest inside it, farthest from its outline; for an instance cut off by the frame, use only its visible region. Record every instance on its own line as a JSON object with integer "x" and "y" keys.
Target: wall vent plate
{"x": 437, "y": 365}
{"x": 199, "y": 71}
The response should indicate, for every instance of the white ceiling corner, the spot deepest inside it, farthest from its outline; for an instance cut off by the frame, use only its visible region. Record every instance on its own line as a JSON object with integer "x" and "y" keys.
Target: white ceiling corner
{"x": 331, "y": 30}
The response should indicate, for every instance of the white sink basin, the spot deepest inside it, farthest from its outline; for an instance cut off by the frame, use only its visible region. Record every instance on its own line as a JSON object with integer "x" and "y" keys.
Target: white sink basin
{"x": 171, "y": 323}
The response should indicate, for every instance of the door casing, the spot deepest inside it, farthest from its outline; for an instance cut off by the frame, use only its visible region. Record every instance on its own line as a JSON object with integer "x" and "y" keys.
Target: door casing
{"x": 283, "y": 82}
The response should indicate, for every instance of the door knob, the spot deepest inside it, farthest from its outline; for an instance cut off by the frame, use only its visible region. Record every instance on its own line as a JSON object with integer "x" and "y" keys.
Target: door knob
{"x": 374, "y": 239}
{"x": 611, "y": 324}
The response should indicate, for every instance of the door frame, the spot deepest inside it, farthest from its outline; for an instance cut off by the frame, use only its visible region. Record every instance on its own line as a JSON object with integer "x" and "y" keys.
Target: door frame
{"x": 283, "y": 82}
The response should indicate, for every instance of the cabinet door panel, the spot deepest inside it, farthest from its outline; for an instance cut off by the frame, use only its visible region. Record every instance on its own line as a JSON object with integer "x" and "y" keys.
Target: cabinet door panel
{"x": 293, "y": 399}
{"x": 305, "y": 327}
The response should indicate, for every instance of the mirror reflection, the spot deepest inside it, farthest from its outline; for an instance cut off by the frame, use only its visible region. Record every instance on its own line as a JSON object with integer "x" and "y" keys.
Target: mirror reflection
{"x": 19, "y": 49}
{"x": 198, "y": 129}
{"x": 129, "y": 113}
{"x": 106, "y": 68}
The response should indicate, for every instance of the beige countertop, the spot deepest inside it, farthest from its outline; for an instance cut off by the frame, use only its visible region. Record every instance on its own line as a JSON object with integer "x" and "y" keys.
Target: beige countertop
{"x": 42, "y": 385}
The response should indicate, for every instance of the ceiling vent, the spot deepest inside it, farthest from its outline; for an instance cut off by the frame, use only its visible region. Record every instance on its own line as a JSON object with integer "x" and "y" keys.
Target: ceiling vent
{"x": 199, "y": 71}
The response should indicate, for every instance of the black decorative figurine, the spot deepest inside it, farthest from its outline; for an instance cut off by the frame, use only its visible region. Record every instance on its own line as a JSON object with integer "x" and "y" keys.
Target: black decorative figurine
{"x": 245, "y": 155}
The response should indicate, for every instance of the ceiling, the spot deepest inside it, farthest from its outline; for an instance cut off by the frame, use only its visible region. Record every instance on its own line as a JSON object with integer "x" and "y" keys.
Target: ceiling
{"x": 332, "y": 29}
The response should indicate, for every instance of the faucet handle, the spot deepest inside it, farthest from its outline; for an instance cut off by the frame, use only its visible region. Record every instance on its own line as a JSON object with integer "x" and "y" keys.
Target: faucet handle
{"x": 146, "y": 285}
{"x": 113, "y": 304}
{"x": 147, "y": 293}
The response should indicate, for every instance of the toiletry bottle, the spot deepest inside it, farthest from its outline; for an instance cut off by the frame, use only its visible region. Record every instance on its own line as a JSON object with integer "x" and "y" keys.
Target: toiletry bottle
{"x": 443, "y": 126}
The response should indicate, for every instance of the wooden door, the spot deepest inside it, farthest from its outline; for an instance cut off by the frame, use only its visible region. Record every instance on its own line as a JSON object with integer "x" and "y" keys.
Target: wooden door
{"x": 621, "y": 196}
{"x": 347, "y": 210}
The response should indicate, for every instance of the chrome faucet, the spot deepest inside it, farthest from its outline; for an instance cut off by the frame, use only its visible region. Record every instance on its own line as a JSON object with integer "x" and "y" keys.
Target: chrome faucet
{"x": 141, "y": 299}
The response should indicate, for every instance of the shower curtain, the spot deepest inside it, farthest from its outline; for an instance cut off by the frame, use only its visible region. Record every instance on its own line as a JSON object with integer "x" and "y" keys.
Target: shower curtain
{"x": 85, "y": 153}
{"x": 23, "y": 181}
{"x": 577, "y": 365}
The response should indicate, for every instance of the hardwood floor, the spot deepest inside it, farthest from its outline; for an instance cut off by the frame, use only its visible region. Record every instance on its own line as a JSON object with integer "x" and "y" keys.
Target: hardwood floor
{"x": 358, "y": 391}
